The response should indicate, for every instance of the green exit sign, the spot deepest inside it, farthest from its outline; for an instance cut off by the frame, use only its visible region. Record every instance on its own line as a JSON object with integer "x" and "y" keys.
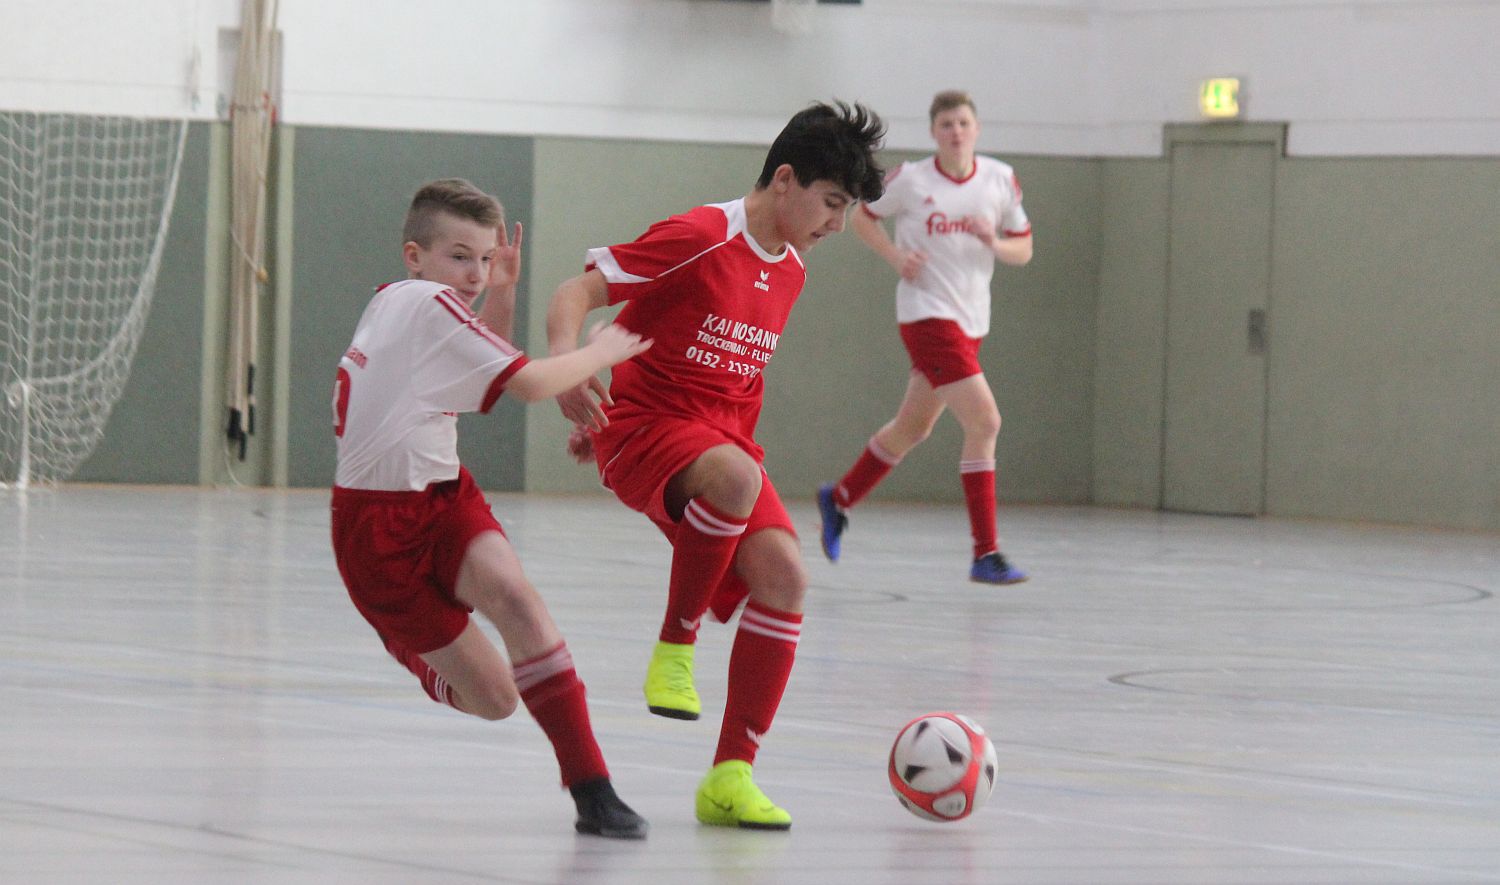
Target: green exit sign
{"x": 1219, "y": 98}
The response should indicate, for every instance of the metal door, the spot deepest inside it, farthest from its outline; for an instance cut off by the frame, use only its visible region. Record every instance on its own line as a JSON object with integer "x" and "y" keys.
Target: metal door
{"x": 1218, "y": 310}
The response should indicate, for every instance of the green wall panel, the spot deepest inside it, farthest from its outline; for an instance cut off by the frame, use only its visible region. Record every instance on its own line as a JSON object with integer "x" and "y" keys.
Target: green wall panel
{"x": 1040, "y": 355}
{"x": 1385, "y": 347}
{"x": 1131, "y": 337}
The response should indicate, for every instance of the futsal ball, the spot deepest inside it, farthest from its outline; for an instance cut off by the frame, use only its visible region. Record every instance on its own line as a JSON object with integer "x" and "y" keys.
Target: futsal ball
{"x": 942, "y": 766}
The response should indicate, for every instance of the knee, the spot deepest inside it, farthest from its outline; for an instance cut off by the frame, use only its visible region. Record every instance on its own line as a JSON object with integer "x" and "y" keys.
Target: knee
{"x": 736, "y": 484}
{"x": 492, "y": 702}
{"x": 499, "y": 596}
{"x": 985, "y": 425}
{"x": 789, "y": 593}
{"x": 907, "y": 435}
{"x": 793, "y": 596}
{"x": 777, "y": 579}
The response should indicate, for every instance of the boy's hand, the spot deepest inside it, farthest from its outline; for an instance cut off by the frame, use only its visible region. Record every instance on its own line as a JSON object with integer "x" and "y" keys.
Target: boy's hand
{"x": 911, "y": 264}
{"x": 982, "y": 227}
{"x": 583, "y": 410}
{"x": 617, "y": 342}
{"x": 581, "y": 445}
{"x": 505, "y": 269}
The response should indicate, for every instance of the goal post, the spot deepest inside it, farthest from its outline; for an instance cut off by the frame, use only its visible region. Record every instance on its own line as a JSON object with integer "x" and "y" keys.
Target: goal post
{"x": 85, "y": 202}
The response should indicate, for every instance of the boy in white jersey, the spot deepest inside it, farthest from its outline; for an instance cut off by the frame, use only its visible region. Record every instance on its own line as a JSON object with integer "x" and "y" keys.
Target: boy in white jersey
{"x": 713, "y": 288}
{"x": 955, "y": 213}
{"x": 415, "y": 541}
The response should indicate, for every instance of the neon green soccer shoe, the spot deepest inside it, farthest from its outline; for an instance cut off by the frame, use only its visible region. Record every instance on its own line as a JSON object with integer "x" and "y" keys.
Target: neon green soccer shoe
{"x": 729, "y": 798}
{"x": 669, "y": 682}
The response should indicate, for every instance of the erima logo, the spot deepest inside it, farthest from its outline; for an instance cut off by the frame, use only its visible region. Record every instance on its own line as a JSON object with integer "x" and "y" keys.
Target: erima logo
{"x": 929, "y": 201}
{"x": 761, "y": 283}
{"x": 690, "y": 625}
{"x": 752, "y": 735}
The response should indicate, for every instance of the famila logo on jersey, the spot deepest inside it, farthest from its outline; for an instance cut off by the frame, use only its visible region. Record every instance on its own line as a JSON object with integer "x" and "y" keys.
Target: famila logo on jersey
{"x": 938, "y": 223}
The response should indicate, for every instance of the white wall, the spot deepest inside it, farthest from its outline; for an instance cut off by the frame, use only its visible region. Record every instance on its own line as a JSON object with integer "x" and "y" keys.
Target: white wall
{"x": 112, "y": 56}
{"x": 1061, "y": 77}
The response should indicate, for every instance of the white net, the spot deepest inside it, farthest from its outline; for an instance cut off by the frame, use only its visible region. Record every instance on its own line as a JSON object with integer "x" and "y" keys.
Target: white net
{"x": 84, "y": 205}
{"x": 792, "y": 16}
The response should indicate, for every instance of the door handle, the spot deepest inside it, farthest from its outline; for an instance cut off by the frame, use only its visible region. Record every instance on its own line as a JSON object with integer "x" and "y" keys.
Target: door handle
{"x": 1255, "y": 331}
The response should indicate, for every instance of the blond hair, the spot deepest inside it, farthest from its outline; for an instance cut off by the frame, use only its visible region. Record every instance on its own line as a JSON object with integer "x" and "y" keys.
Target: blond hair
{"x": 947, "y": 100}
{"x": 450, "y": 196}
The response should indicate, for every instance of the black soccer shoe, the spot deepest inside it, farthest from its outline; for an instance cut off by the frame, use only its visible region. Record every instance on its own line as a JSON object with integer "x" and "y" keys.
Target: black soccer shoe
{"x": 601, "y": 813}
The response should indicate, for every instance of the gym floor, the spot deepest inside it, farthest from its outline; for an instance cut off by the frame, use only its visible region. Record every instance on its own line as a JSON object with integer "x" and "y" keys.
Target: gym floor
{"x": 189, "y": 697}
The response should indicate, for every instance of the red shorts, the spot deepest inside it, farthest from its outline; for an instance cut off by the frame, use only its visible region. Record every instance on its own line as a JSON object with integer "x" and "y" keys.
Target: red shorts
{"x": 399, "y": 554}
{"x": 941, "y": 351}
{"x": 639, "y": 455}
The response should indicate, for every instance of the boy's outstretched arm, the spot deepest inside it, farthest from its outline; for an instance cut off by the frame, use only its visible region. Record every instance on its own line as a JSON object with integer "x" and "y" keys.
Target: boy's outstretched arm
{"x": 570, "y": 305}
{"x": 543, "y": 378}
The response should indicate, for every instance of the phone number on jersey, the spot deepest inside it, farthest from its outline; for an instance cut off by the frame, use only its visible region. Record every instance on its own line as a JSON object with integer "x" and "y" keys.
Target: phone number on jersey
{"x": 716, "y": 361}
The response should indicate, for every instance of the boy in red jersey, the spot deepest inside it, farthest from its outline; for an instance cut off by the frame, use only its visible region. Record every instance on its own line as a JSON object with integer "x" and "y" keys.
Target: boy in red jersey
{"x": 415, "y": 541}
{"x": 956, "y": 213}
{"x": 713, "y": 289}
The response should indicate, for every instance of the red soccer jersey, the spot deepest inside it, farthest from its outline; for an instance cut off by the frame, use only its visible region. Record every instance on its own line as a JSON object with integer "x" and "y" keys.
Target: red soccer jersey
{"x": 715, "y": 303}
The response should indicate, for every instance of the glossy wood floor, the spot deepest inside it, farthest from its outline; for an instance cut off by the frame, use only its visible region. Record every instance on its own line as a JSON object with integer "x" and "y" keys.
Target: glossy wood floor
{"x": 187, "y": 696}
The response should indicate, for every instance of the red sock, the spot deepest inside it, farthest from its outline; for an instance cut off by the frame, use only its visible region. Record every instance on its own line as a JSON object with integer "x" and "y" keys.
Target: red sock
{"x": 759, "y": 667}
{"x": 979, "y": 492}
{"x": 870, "y": 468}
{"x": 727, "y": 598}
{"x": 555, "y": 697}
{"x": 436, "y": 686}
{"x": 702, "y": 550}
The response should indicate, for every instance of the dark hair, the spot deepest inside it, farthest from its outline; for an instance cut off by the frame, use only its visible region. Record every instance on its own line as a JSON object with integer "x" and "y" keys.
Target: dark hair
{"x": 831, "y": 142}
{"x": 451, "y": 196}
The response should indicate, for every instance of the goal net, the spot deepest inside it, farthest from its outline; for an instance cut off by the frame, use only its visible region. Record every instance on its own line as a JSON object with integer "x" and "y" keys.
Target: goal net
{"x": 84, "y": 205}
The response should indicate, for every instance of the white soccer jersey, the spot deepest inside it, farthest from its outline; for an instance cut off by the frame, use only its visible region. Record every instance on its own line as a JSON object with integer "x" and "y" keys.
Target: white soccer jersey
{"x": 929, "y": 207}
{"x": 419, "y": 357}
